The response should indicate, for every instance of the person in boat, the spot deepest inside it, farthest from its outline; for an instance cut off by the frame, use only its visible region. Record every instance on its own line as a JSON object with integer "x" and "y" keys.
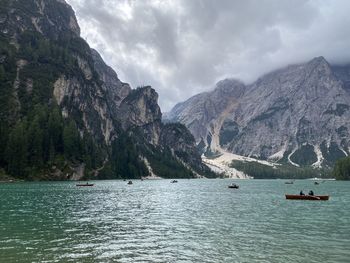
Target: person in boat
{"x": 301, "y": 192}
{"x": 311, "y": 192}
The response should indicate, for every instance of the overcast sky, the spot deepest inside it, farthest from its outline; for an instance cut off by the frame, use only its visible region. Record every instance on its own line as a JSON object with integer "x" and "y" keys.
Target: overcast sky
{"x": 183, "y": 47}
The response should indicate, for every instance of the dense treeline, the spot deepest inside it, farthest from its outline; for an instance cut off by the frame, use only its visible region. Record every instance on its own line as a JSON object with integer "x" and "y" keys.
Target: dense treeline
{"x": 342, "y": 169}
{"x": 125, "y": 161}
{"x": 33, "y": 134}
{"x": 261, "y": 171}
{"x": 43, "y": 139}
{"x": 165, "y": 165}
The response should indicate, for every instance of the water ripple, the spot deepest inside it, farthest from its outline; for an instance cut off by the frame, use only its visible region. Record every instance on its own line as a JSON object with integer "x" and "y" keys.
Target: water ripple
{"x": 155, "y": 221}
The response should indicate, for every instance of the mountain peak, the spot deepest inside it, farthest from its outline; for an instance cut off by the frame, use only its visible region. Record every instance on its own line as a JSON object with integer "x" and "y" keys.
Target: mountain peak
{"x": 318, "y": 61}
{"x": 297, "y": 114}
{"x": 320, "y": 66}
{"x": 228, "y": 81}
{"x": 49, "y": 18}
{"x": 229, "y": 87}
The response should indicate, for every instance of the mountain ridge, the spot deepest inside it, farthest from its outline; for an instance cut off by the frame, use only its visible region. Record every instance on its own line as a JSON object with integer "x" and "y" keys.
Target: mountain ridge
{"x": 284, "y": 115}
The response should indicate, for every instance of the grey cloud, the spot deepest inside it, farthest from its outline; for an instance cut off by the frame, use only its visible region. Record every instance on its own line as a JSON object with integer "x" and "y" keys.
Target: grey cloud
{"x": 182, "y": 47}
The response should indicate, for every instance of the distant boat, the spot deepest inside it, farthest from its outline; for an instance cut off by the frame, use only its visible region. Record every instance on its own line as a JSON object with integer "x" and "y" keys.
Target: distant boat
{"x": 173, "y": 181}
{"x": 308, "y": 197}
{"x": 233, "y": 185}
{"x": 86, "y": 184}
{"x": 316, "y": 183}
{"x": 289, "y": 182}
{"x": 130, "y": 182}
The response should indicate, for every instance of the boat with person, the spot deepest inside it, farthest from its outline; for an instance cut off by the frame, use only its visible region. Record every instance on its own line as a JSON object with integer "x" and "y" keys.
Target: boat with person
{"x": 130, "y": 182}
{"x": 308, "y": 197}
{"x": 233, "y": 185}
{"x": 173, "y": 181}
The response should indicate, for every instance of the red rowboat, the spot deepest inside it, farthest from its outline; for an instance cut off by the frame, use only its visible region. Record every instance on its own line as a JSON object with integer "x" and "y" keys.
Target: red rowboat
{"x": 308, "y": 197}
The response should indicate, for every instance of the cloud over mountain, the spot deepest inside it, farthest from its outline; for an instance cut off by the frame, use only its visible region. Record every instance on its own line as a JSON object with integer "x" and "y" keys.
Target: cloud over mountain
{"x": 183, "y": 47}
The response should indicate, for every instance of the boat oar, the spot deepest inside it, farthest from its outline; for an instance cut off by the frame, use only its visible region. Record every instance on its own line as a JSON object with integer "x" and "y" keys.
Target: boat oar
{"x": 314, "y": 197}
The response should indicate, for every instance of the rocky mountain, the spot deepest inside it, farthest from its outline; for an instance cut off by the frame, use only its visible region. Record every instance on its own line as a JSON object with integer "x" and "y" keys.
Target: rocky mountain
{"x": 297, "y": 115}
{"x": 65, "y": 114}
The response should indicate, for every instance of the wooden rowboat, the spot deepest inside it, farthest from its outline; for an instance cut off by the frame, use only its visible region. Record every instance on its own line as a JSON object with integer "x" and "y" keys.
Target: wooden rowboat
{"x": 308, "y": 197}
{"x": 87, "y": 184}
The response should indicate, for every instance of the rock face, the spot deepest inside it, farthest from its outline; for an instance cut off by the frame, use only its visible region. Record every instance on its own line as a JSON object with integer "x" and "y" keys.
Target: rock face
{"x": 50, "y": 18}
{"x": 202, "y": 109}
{"x": 298, "y": 114}
{"x": 116, "y": 89}
{"x": 179, "y": 139}
{"x": 43, "y": 37}
{"x": 140, "y": 109}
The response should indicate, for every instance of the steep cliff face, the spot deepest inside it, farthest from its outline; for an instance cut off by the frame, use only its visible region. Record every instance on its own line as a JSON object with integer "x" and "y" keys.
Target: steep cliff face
{"x": 116, "y": 89}
{"x": 140, "y": 110}
{"x": 50, "y": 18}
{"x": 343, "y": 74}
{"x": 44, "y": 36}
{"x": 56, "y": 85}
{"x": 298, "y": 114}
{"x": 204, "y": 114}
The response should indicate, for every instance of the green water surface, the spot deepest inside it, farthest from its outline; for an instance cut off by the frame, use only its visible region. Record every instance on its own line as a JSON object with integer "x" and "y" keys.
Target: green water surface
{"x": 190, "y": 221}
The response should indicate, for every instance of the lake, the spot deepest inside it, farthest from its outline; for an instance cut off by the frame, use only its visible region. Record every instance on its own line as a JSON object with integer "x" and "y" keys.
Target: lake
{"x": 190, "y": 221}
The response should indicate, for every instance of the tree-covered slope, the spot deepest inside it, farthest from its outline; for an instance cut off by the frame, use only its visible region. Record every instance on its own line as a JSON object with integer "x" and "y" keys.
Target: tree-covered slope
{"x": 342, "y": 169}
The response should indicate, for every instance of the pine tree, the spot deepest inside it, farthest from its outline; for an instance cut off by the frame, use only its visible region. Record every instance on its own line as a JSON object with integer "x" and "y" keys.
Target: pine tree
{"x": 342, "y": 169}
{"x": 125, "y": 160}
{"x": 55, "y": 128}
{"x": 52, "y": 154}
{"x": 3, "y": 143}
{"x": 90, "y": 152}
{"x": 71, "y": 141}
{"x": 35, "y": 144}
{"x": 2, "y": 73}
{"x": 16, "y": 154}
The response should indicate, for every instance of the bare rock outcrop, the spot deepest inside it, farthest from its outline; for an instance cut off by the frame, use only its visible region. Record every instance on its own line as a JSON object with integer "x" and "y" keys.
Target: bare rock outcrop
{"x": 298, "y": 114}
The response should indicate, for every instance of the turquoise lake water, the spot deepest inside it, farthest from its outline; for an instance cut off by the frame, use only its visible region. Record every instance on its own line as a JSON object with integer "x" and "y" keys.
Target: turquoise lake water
{"x": 191, "y": 221}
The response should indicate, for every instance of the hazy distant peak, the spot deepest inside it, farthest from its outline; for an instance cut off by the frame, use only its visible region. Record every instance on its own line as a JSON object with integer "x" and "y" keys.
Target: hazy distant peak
{"x": 319, "y": 59}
